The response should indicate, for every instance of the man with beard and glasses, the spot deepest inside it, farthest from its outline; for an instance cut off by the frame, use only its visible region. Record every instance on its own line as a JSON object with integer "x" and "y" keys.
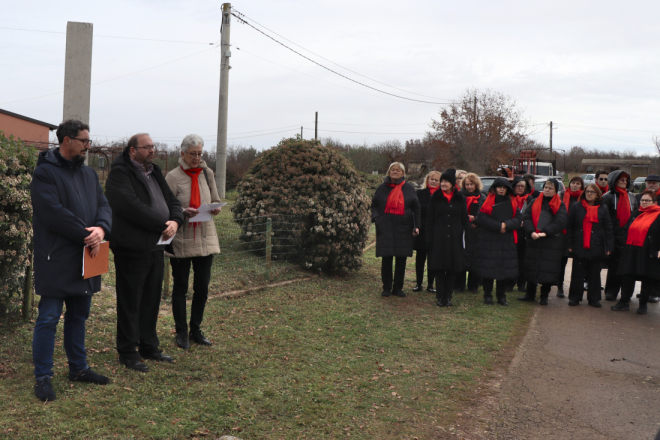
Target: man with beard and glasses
{"x": 144, "y": 211}
{"x": 70, "y": 212}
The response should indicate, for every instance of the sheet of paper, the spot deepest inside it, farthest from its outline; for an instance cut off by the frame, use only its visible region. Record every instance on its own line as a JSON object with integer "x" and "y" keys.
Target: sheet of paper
{"x": 163, "y": 241}
{"x": 204, "y": 212}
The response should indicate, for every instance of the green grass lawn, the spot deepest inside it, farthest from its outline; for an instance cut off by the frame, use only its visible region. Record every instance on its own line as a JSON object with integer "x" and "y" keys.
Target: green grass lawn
{"x": 322, "y": 358}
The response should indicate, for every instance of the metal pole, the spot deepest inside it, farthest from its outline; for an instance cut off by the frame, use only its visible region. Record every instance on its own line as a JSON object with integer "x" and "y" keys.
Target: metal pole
{"x": 551, "y": 138}
{"x": 221, "y": 149}
{"x": 301, "y": 133}
{"x": 269, "y": 247}
{"x": 316, "y": 127}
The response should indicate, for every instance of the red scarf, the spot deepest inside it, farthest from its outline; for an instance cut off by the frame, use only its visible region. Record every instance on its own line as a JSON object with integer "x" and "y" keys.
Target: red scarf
{"x": 487, "y": 208}
{"x": 623, "y": 207}
{"x": 395, "y": 202}
{"x": 195, "y": 199}
{"x": 432, "y": 190}
{"x": 520, "y": 200}
{"x": 470, "y": 201}
{"x": 567, "y": 196}
{"x": 590, "y": 218}
{"x": 604, "y": 189}
{"x": 555, "y": 204}
{"x": 639, "y": 228}
{"x": 448, "y": 196}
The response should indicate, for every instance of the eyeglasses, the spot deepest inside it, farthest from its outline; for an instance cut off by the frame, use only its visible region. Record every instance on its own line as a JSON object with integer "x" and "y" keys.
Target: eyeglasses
{"x": 646, "y": 201}
{"x": 146, "y": 147}
{"x": 589, "y": 191}
{"x": 602, "y": 179}
{"x": 194, "y": 154}
{"x": 86, "y": 142}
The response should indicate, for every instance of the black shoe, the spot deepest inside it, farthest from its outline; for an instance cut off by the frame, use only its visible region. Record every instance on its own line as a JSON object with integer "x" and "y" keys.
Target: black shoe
{"x": 448, "y": 303}
{"x": 488, "y": 300}
{"x": 595, "y": 304}
{"x": 560, "y": 292}
{"x": 198, "y": 338}
{"x": 621, "y": 307}
{"x": 132, "y": 364}
{"x": 654, "y": 299}
{"x": 430, "y": 289}
{"x": 643, "y": 309}
{"x": 639, "y": 295}
{"x": 502, "y": 302}
{"x": 440, "y": 303}
{"x": 522, "y": 288}
{"x": 527, "y": 298}
{"x": 89, "y": 376}
{"x": 182, "y": 341}
{"x": 610, "y": 297}
{"x": 573, "y": 303}
{"x": 417, "y": 288}
{"x": 399, "y": 293}
{"x": 386, "y": 293}
{"x": 157, "y": 356}
{"x": 474, "y": 290}
{"x": 43, "y": 389}
{"x": 543, "y": 302}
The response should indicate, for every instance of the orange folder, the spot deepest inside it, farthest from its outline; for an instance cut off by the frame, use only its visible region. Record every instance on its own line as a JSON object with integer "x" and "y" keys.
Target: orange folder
{"x": 98, "y": 265}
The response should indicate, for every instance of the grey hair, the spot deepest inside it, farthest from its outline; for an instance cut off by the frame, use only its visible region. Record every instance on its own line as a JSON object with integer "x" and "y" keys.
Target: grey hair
{"x": 192, "y": 140}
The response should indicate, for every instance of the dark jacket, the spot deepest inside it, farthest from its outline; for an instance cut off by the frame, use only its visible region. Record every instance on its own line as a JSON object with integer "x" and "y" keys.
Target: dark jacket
{"x": 66, "y": 199}
{"x": 642, "y": 261}
{"x": 472, "y": 234}
{"x": 543, "y": 255}
{"x": 394, "y": 233}
{"x": 424, "y": 197}
{"x": 572, "y": 201}
{"x": 446, "y": 223}
{"x": 496, "y": 253}
{"x": 611, "y": 201}
{"x": 602, "y": 238}
{"x": 137, "y": 227}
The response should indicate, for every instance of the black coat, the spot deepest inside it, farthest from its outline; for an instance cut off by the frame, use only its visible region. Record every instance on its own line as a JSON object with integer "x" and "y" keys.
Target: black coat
{"x": 611, "y": 200}
{"x": 602, "y": 238}
{"x": 424, "y": 197}
{"x": 137, "y": 226}
{"x": 394, "y": 233}
{"x": 642, "y": 261}
{"x": 572, "y": 201}
{"x": 66, "y": 199}
{"x": 472, "y": 234}
{"x": 543, "y": 255}
{"x": 446, "y": 223}
{"x": 496, "y": 253}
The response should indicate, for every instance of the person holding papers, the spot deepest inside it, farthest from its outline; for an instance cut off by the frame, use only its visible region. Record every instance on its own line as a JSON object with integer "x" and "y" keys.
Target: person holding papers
{"x": 144, "y": 212}
{"x": 193, "y": 183}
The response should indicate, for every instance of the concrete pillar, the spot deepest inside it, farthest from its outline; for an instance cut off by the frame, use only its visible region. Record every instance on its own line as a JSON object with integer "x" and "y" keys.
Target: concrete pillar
{"x": 78, "y": 71}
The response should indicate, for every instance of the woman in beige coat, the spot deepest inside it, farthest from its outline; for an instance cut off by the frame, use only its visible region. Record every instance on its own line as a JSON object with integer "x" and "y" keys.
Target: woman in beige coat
{"x": 193, "y": 183}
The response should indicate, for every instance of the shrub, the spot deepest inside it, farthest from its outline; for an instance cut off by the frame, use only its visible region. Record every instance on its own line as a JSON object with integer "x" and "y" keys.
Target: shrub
{"x": 17, "y": 163}
{"x": 305, "y": 178}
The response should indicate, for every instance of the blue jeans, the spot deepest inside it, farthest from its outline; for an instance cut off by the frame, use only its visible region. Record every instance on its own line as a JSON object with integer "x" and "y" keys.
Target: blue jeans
{"x": 43, "y": 342}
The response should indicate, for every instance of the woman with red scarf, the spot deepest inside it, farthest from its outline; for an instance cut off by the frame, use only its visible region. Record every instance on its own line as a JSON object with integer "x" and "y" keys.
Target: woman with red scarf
{"x": 620, "y": 203}
{"x": 496, "y": 254}
{"x": 640, "y": 259}
{"x": 446, "y": 222}
{"x": 395, "y": 210}
{"x": 430, "y": 186}
{"x": 193, "y": 183}
{"x": 570, "y": 197}
{"x": 589, "y": 240}
{"x": 474, "y": 198}
{"x": 544, "y": 222}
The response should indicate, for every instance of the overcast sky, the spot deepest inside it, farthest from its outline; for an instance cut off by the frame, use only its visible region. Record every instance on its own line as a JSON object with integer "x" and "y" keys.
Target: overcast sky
{"x": 591, "y": 67}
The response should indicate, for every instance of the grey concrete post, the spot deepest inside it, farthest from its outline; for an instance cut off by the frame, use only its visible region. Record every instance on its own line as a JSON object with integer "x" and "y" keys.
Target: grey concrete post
{"x": 221, "y": 149}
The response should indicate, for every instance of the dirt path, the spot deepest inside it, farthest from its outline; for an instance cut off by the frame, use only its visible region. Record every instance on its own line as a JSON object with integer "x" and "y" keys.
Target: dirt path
{"x": 584, "y": 373}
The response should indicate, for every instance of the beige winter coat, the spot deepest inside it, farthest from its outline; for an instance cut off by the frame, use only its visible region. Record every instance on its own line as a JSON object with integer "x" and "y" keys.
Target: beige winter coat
{"x": 202, "y": 241}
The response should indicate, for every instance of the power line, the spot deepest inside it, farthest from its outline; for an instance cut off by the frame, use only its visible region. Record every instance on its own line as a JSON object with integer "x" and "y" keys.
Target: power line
{"x": 604, "y": 137}
{"x": 330, "y": 61}
{"x": 333, "y": 71}
{"x": 375, "y": 125}
{"x": 609, "y": 128}
{"x": 107, "y": 36}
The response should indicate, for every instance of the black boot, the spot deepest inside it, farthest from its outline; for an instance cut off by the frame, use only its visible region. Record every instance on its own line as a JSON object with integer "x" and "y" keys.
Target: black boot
{"x": 502, "y": 301}
{"x": 488, "y": 298}
{"x": 544, "y": 299}
{"x": 621, "y": 306}
{"x": 643, "y": 309}
{"x": 560, "y": 292}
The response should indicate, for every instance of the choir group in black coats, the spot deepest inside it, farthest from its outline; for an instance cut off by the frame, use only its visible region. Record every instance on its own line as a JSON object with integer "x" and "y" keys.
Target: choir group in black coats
{"x": 515, "y": 234}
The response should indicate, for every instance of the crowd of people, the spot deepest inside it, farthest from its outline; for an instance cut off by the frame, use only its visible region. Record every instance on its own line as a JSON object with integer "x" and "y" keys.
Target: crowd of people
{"x": 147, "y": 215}
{"x": 517, "y": 236}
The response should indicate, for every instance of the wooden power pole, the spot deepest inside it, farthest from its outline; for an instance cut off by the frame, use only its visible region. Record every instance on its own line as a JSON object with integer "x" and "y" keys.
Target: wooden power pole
{"x": 551, "y": 138}
{"x": 221, "y": 148}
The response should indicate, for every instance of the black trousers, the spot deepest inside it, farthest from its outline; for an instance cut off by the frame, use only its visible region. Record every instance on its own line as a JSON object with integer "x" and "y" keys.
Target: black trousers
{"x": 444, "y": 283}
{"x": 399, "y": 272}
{"x": 585, "y": 269}
{"x": 139, "y": 286}
{"x": 545, "y": 290}
{"x": 473, "y": 281}
{"x": 201, "y": 278}
{"x": 628, "y": 286}
{"x": 421, "y": 258}
{"x": 616, "y": 282}
{"x": 500, "y": 290}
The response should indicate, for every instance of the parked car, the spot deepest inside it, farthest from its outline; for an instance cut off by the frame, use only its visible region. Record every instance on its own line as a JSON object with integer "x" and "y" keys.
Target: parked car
{"x": 588, "y": 178}
{"x": 487, "y": 181}
{"x": 638, "y": 182}
{"x": 540, "y": 181}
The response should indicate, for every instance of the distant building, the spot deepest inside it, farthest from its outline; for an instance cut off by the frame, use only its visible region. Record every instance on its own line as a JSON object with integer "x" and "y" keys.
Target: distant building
{"x": 634, "y": 167}
{"x": 30, "y": 131}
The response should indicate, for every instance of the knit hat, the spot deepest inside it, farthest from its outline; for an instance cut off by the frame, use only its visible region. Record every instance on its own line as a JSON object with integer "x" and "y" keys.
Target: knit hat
{"x": 449, "y": 176}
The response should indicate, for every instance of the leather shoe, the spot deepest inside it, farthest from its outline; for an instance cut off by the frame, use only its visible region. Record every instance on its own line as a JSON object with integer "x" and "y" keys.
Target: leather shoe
{"x": 417, "y": 288}
{"x": 90, "y": 376}
{"x": 198, "y": 338}
{"x": 502, "y": 302}
{"x": 595, "y": 304}
{"x": 488, "y": 300}
{"x": 440, "y": 303}
{"x": 543, "y": 302}
{"x": 560, "y": 293}
{"x": 182, "y": 341}
{"x": 643, "y": 309}
{"x": 157, "y": 356}
{"x": 399, "y": 293}
{"x": 610, "y": 298}
{"x": 386, "y": 293}
{"x": 430, "y": 289}
{"x": 448, "y": 303}
{"x": 132, "y": 364}
{"x": 620, "y": 307}
{"x": 574, "y": 303}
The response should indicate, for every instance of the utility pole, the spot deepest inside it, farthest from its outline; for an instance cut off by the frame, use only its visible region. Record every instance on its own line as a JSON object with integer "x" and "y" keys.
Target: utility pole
{"x": 316, "y": 127}
{"x": 221, "y": 148}
{"x": 301, "y": 133}
{"x": 551, "y": 138}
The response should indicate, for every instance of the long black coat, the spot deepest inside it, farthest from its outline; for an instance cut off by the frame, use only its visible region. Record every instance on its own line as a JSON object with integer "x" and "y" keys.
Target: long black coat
{"x": 472, "y": 234}
{"x": 496, "y": 253}
{"x": 424, "y": 197}
{"x": 611, "y": 201}
{"x": 446, "y": 223}
{"x": 394, "y": 233}
{"x": 572, "y": 201}
{"x": 602, "y": 238}
{"x": 543, "y": 255}
{"x": 66, "y": 199}
{"x": 642, "y": 261}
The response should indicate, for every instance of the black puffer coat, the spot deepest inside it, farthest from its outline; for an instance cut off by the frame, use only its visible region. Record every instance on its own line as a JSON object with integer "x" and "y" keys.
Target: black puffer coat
{"x": 572, "y": 201}
{"x": 602, "y": 238}
{"x": 611, "y": 200}
{"x": 642, "y": 261}
{"x": 543, "y": 255}
{"x": 496, "y": 254}
{"x": 446, "y": 223}
{"x": 472, "y": 234}
{"x": 394, "y": 233}
{"x": 424, "y": 197}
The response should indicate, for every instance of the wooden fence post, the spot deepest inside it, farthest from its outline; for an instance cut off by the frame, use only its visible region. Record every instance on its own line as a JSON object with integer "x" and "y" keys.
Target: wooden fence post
{"x": 269, "y": 233}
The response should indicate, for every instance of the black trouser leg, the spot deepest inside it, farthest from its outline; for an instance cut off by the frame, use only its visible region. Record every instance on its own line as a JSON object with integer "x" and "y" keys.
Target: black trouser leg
{"x": 545, "y": 291}
{"x": 386, "y": 272}
{"x": 180, "y": 275}
{"x": 647, "y": 290}
{"x": 420, "y": 261}
{"x": 521, "y": 265}
{"x": 500, "y": 290}
{"x": 399, "y": 272}
{"x": 613, "y": 281}
{"x": 459, "y": 282}
{"x": 488, "y": 287}
{"x": 473, "y": 281}
{"x": 202, "y": 278}
{"x": 444, "y": 287}
{"x": 627, "y": 287}
{"x": 593, "y": 268}
{"x": 576, "y": 289}
{"x": 531, "y": 290}
{"x": 564, "y": 262}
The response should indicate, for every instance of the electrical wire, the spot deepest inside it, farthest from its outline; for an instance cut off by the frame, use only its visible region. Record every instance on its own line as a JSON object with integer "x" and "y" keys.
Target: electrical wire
{"x": 330, "y": 61}
{"x": 604, "y": 137}
{"x": 107, "y": 36}
{"x": 608, "y": 128}
{"x": 333, "y": 71}
{"x": 538, "y": 131}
